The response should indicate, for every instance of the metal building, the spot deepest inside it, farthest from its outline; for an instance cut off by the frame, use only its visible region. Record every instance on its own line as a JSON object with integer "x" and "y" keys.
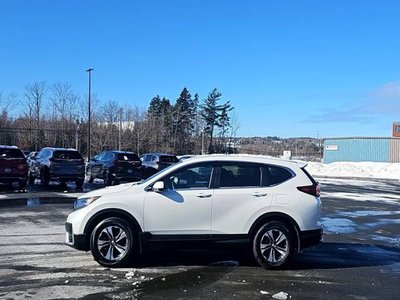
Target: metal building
{"x": 362, "y": 149}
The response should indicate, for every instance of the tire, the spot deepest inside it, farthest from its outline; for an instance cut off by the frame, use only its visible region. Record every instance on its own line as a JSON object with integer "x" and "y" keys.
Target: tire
{"x": 107, "y": 177}
{"x": 31, "y": 179}
{"x": 22, "y": 184}
{"x": 44, "y": 177}
{"x": 89, "y": 175}
{"x": 79, "y": 183}
{"x": 273, "y": 245}
{"x": 113, "y": 242}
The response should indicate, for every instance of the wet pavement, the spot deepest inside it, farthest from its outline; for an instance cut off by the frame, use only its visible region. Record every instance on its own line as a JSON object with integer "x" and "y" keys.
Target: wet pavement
{"x": 359, "y": 258}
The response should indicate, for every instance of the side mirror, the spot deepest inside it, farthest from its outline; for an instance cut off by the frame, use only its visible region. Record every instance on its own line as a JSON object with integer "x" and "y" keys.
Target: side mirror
{"x": 158, "y": 186}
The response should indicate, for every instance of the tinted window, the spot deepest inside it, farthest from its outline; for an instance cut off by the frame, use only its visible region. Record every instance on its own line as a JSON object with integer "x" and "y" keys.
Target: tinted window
{"x": 107, "y": 156}
{"x": 275, "y": 175}
{"x": 127, "y": 157}
{"x": 240, "y": 175}
{"x": 11, "y": 153}
{"x": 41, "y": 154}
{"x": 197, "y": 176}
{"x": 168, "y": 159}
{"x": 65, "y": 154}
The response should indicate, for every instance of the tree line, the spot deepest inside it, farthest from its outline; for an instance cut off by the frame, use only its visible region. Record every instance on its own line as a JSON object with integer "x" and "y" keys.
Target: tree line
{"x": 54, "y": 115}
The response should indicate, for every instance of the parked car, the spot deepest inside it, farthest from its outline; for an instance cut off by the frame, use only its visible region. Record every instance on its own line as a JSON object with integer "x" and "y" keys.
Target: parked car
{"x": 114, "y": 167}
{"x": 60, "y": 164}
{"x": 271, "y": 204}
{"x": 31, "y": 157}
{"x": 13, "y": 166}
{"x": 183, "y": 157}
{"x": 154, "y": 162}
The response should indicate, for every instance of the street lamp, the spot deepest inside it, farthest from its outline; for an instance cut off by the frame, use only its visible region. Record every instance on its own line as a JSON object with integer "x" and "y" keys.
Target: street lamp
{"x": 90, "y": 112}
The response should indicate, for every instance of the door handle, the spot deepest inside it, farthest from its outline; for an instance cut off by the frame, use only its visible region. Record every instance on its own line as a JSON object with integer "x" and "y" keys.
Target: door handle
{"x": 203, "y": 195}
{"x": 259, "y": 194}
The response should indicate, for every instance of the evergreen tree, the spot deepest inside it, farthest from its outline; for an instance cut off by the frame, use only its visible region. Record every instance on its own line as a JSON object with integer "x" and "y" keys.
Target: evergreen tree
{"x": 215, "y": 115}
{"x": 184, "y": 111}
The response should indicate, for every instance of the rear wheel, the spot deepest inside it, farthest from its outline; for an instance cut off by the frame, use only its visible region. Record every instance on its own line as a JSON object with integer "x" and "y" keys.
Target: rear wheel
{"x": 113, "y": 242}
{"x": 79, "y": 183}
{"x": 273, "y": 245}
{"x": 44, "y": 177}
{"x": 107, "y": 177}
{"x": 31, "y": 178}
{"x": 22, "y": 184}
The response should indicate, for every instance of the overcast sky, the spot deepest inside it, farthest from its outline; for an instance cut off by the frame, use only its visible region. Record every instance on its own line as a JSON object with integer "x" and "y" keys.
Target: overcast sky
{"x": 290, "y": 68}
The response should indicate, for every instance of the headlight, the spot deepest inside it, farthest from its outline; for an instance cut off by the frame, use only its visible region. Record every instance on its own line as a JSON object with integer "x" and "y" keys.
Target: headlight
{"x": 82, "y": 202}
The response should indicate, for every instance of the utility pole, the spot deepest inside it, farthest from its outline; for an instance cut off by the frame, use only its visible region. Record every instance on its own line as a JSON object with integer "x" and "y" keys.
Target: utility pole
{"x": 90, "y": 113}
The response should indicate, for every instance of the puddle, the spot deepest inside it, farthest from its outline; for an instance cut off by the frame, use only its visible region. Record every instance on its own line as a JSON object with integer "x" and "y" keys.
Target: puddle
{"x": 338, "y": 225}
{"x": 390, "y": 240}
{"x": 33, "y": 202}
{"x": 369, "y": 213}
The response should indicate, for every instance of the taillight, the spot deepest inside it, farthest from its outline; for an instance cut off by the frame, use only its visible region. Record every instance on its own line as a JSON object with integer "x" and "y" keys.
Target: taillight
{"x": 313, "y": 190}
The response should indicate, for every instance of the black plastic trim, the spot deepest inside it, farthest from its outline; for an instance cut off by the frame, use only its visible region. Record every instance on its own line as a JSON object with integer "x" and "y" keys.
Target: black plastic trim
{"x": 310, "y": 238}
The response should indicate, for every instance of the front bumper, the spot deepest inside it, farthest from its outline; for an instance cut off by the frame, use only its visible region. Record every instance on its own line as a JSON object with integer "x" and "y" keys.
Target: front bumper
{"x": 77, "y": 241}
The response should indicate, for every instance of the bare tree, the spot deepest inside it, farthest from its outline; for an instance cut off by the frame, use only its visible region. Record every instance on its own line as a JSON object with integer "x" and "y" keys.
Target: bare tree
{"x": 61, "y": 98}
{"x": 34, "y": 94}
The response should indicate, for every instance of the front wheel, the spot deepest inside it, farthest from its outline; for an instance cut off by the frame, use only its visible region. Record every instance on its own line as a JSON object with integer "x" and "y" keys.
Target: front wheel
{"x": 273, "y": 245}
{"x": 113, "y": 242}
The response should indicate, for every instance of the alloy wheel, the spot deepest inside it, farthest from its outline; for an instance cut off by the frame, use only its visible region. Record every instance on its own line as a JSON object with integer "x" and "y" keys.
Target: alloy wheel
{"x": 274, "y": 246}
{"x": 112, "y": 243}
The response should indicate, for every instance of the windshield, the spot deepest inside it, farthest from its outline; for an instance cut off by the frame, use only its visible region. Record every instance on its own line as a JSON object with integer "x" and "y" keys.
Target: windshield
{"x": 127, "y": 157}
{"x": 67, "y": 155}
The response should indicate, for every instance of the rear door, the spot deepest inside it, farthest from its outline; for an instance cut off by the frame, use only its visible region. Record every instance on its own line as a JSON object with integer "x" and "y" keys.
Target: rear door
{"x": 240, "y": 195}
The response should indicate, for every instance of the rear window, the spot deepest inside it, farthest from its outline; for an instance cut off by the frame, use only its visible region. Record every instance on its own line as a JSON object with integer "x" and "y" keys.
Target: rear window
{"x": 275, "y": 175}
{"x": 67, "y": 154}
{"x": 240, "y": 175}
{"x": 168, "y": 159}
{"x": 127, "y": 157}
{"x": 11, "y": 153}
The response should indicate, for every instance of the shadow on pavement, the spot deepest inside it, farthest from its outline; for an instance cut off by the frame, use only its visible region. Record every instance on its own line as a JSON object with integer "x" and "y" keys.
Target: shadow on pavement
{"x": 325, "y": 256}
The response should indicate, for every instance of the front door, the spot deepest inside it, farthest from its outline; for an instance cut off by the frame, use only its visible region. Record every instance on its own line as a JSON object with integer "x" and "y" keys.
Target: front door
{"x": 184, "y": 206}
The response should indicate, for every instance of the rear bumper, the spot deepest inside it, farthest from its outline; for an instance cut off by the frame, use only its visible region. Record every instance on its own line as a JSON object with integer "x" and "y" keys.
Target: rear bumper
{"x": 310, "y": 238}
{"x": 68, "y": 177}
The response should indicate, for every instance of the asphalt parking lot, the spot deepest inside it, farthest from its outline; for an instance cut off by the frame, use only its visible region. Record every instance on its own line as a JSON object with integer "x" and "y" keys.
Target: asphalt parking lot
{"x": 359, "y": 258}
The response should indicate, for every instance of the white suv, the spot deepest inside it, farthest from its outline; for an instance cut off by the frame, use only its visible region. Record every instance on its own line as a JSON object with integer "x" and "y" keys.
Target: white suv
{"x": 273, "y": 204}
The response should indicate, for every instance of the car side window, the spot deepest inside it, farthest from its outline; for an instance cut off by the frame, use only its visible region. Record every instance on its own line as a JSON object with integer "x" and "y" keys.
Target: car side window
{"x": 107, "y": 156}
{"x": 240, "y": 175}
{"x": 42, "y": 154}
{"x": 273, "y": 175}
{"x": 190, "y": 177}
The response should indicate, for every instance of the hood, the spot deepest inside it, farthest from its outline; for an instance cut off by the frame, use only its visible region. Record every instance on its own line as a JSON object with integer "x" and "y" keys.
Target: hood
{"x": 109, "y": 190}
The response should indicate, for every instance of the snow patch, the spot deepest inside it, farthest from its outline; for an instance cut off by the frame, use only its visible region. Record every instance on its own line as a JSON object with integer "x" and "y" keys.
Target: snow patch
{"x": 338, "y": 225}
{"x": 280, "y": 296}
{"x": 355, "y": 169}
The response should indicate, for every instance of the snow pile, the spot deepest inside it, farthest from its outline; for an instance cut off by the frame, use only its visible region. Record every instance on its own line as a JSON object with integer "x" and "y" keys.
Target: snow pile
{"x": 355, "y": 169}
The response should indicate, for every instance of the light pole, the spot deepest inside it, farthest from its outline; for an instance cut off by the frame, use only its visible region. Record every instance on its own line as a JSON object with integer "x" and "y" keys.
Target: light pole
{"x": 90, "y": 112}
